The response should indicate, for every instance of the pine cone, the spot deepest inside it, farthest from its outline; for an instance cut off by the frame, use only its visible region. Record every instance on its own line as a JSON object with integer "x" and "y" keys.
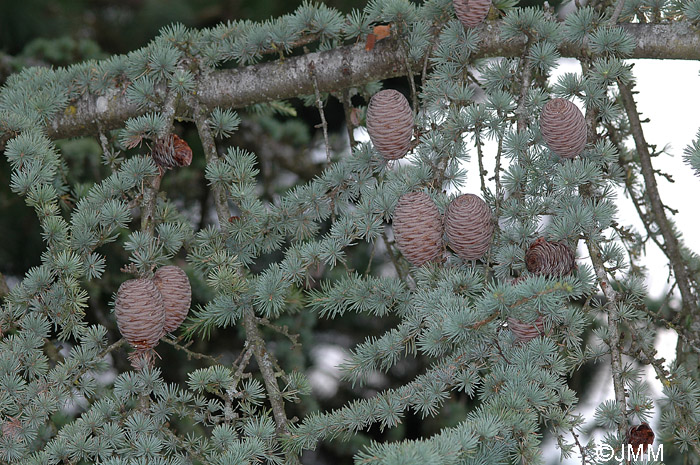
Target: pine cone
{"x": 390, "y": 123}
{"x": 550, "y": 258}
{"x": 140, "y": 313}
{"x": 171, "y": 151}
{"x": 468, "y": 226}
{"x": 563, "y": 127}
{"x": 471, "y": 13}
{"x": 525, "y": 332}
{"x": 418, "y": 228}
{"x": 174, "y": 286}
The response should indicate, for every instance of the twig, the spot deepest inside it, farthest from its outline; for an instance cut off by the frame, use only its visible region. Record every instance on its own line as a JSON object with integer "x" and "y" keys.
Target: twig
{"x": 480, "y": 156}
{"x": 616, "y": 14}
{"x": 283, "y": 330}
{"x": 525, "y": 79}
{"x": 245, "y": 358}
{"x": 613, "y": 330}
{"x": 193, "y": 454}
{"x": 678, "y": 264}
{"x": 436, "y": 36}
{"x": 580, "y": 447}
{"x": 392, "y": 256}
{"x": 319, "y": 104}
{"x": 347, "y": 108}
{"x": 411, "y": 80}
{"x": 210, "y": 153}
{"x": 265, "y": 364}
{"x": 191, "y": 354}
{"x": 497, "y": 174}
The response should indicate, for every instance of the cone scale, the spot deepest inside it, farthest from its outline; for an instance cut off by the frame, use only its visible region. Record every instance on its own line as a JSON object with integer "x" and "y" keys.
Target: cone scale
{"x": 418, "y": 228}
{"x": 390, "y": 123}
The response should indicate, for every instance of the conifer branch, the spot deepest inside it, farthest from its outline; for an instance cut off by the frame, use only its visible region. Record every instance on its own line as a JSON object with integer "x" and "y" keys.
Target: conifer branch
{"x": 190, "y": 354}
{"x": 525, "y": 80}
{"x": 265, "y": 364}
{"x": 319, "y": 104}
{"x": 340, "y": 68}
{"x": 671, "y": 244}
{"x": 614, "y": 331}
{"x": 346, "y": 100}
{"x": 250, "y": 324}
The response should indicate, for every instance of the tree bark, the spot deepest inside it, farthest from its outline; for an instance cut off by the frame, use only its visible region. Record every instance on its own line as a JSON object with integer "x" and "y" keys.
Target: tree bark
{"x": 338, "y": 69}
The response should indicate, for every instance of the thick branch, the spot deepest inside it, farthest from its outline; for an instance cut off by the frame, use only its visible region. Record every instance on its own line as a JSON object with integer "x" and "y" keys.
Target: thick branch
{"x": 340, "y": 68}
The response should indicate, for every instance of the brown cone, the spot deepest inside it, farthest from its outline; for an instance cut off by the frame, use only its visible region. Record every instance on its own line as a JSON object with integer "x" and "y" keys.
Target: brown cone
{"x": 140, "y": 313}
{"x": 468, "y": 226}
{"x": 640, "y": 436}
{"x": 525, "y": 332}
{"x": 390, "y": 123}
{"x": 471, "y": 13}
{"x": 171, "y": 151}
{"x": 174, "y": 286}
{"x": 563, "y": 127}
{"x": 550, "y": 258}
{"x": 418, "y": 228}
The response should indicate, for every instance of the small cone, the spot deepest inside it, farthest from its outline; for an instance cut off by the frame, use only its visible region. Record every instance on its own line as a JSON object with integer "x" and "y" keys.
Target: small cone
{"x": 525, "y": 332}
{"x": 471, "y": 13}
{"x": 140, "y": 317}
{"x": 418, "y": 228}
{"x": 390, "y": 123}
{"x": 549, "y": 258}
{"x": 563, "y": 127}
{"x": 171, "y": 151}
{"x": 175, "y": 288}
{"x": 640, "y": 436}
{"x": 468, "y": 226}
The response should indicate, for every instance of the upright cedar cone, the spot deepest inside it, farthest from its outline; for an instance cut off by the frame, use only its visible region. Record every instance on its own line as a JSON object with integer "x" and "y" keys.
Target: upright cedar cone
{"x": 549, "y": 258}
{"x": 174, "y": 286}
{"x": 171, "y": 151}
{"x": 524, "y": 332}
{"x": 390, "y": 123}
{"x": 140, "y": 313}
{"x": 468, "y": 226}
{"x": 563, "y": 127}
{"x": 471, "y": 13}
{"x": 418, "y": 228}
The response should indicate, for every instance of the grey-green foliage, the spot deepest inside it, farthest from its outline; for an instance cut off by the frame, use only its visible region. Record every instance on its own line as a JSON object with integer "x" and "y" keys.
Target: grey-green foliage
{"x": 452, "y": 313}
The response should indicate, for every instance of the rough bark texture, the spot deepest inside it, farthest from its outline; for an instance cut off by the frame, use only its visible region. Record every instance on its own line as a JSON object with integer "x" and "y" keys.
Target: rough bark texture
{"x": 341, "y": 68}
